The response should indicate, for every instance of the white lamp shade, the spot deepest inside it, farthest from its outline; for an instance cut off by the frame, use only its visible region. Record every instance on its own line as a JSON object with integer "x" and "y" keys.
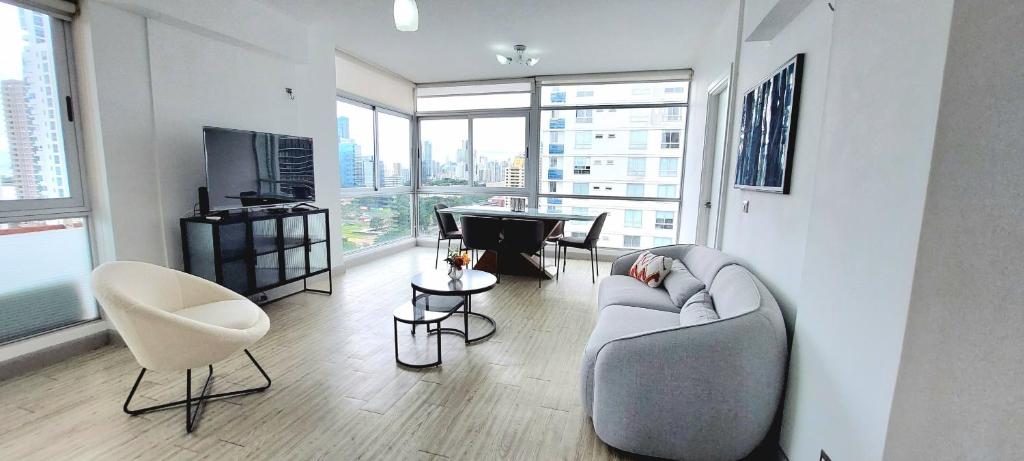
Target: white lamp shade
{"x": 407, "y": 16}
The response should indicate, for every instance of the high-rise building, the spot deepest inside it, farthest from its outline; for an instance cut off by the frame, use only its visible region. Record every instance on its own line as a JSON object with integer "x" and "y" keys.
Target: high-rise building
{"x": 428, "y": 160}
{"x": 18, "y": 124}
{"x": 42, "y": 102}
{"x": 515, "y": 174}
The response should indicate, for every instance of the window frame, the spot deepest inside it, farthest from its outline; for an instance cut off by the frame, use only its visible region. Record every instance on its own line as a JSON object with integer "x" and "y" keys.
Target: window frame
{"x": 469, "y": 116}
{"x": 77, "y": 203}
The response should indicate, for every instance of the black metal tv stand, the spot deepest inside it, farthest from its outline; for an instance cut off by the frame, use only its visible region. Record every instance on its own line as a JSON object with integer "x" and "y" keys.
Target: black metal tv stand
{"x": 252, "y": 252}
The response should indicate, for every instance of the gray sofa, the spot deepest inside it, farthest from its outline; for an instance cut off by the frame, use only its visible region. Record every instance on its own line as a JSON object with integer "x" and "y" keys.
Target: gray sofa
{"x": 697, "y": 392}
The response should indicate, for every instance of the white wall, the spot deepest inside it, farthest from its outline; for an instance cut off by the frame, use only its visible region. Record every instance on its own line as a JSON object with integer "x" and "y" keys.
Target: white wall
{"x": 357, "y": 78}
{"x": 714, "y": 61}
{"x": 959, "y": 392}
{"x": 163, "y": 70}
{"x": 884, "y": 78}
{"x": 771, "y": 236}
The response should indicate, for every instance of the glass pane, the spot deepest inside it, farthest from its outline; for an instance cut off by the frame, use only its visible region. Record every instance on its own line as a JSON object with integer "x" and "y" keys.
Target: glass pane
{"x": 425, "y": 217}
{"x": 45, "y": 277}
{"x": 473, "y": 102}
{"x": 374, "y": 220}
{"x": 395, "y": 145}
{"x": 444, "y": 154}
{"x": 355, "y": 144}
{"x": 499, "y": 152}
{"x": 616, "y": 149}
{"x": 614, "y": 94}
{"x": 630, "y": 224}
{"x": 33, "y": 164}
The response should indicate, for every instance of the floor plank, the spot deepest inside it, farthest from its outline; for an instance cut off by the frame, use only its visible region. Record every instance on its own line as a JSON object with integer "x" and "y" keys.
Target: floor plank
{"x": 337, "y": 393}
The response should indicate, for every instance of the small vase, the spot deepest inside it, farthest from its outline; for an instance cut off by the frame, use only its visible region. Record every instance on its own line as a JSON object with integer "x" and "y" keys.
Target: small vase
{"x": 455, "y": 273}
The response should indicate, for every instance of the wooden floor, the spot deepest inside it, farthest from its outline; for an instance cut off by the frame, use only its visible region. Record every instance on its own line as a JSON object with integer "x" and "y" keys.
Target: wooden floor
{"x": 337, "y": 393}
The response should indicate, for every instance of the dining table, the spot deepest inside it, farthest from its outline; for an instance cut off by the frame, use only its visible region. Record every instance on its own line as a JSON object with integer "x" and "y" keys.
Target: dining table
{"x": 521, "y": 263}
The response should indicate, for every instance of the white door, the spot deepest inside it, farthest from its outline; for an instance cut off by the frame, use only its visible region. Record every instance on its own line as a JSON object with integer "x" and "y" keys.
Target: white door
{"x": 713, "y": 172}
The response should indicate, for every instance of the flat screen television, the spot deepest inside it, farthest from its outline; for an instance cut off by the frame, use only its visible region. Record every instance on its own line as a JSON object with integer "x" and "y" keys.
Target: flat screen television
{"x": 251, "y": 168}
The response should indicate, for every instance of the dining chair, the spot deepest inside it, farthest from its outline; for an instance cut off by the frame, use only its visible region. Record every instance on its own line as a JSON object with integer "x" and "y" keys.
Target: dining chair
{"x": 482, "y": 233}
{"x": 524, "y": 236}
{"x": 173, "y": 321}
{"x": 589, "y": 243}
{"x": 447, "y": 229}
{"x": 556, "y": 233}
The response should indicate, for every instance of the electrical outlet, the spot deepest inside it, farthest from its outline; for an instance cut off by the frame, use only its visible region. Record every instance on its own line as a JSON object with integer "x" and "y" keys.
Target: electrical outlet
{"x": 746, "y": 206}
{"x": 824, "y": 456}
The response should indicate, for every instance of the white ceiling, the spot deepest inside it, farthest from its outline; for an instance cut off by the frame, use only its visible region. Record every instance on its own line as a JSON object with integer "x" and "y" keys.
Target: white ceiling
{"x": 457, "y": 39}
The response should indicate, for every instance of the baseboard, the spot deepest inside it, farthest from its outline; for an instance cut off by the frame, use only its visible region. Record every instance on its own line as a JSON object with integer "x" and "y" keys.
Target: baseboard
{"x": 48, "y": 356}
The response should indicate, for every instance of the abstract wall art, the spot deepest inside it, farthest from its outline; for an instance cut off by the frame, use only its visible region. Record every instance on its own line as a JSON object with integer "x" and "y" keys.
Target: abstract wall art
{"x": 768, "y": 130}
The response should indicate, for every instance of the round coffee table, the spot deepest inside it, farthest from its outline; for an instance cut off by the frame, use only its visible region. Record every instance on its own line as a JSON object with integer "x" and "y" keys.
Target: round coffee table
{"x": 437, "y": 292}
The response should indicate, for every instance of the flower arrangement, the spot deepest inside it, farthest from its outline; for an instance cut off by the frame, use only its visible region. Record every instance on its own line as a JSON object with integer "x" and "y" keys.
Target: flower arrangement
{"x": 456, "y": 261}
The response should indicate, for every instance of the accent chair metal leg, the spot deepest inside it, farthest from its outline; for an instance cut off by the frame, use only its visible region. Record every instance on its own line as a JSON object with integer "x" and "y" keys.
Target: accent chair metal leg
{"x": 191, "y": 417}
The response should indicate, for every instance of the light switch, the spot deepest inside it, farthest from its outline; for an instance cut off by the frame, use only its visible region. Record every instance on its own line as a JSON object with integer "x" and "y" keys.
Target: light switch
{"x": 746, "y": 206}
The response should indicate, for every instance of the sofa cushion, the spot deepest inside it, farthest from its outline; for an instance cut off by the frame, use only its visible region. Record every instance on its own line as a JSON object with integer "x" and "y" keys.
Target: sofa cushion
{"x": 681, "y": 284}
{"x": 735, "y": 292}
{"x": 628, "y": 291}
{"x": 616, "y": 321}
{"x": 698, "y": 309}
{"x": 704, "y": 263}
{"x": 650, "y": 269}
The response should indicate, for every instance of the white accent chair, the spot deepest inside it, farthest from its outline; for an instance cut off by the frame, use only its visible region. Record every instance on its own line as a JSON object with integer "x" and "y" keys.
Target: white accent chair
{"x": 173, "y": 321}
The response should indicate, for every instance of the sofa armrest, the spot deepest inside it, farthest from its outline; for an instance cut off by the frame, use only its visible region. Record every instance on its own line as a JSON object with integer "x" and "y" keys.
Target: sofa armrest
{"x": 622, "y": 264}
{"x": 700, "y": 392}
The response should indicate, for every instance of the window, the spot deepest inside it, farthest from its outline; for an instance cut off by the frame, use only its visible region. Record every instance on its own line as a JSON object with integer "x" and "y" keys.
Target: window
{"x": 426, "y": 222}
{"x": 633, "y": 218}
{"x": 637, "y": 167}
{"x": 662, "y": 241}
{"x": 395, "y": 149}
{"x": 473, "y": 97}
{"x": 668, "y": 167}
{"x": 375, "y": 155}
{"x": 499, "y": 152}
{"x": 373, "y": 220}
{"x": 580, "y": 210}
{"x": 618, "y": 130}
{"x": 355, "y": 144}
{"x": 638, "y": 139}
{"x": 672, "y": 114}
{"x": 664, "y": 220}
{"x": 670, "y": 139}
{"x": 556, "y": 137}
{"x": 631, "y": 241}
{"x": 44, "y": 240}
{"x": 580, "y": 165}
{"x": 584, "y": 139}
{"x": 444, "y": 152}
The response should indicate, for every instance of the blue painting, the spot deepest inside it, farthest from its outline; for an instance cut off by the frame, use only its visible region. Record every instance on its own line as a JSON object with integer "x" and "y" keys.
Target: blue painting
{"x": 768, "y": 130}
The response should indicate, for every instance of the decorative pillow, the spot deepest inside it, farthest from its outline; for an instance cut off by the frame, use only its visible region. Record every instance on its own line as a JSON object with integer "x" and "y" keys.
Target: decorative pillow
{"x": 699, "y": 309}
{"x": 651, "y": 269}
{"x": 681, "y": 284}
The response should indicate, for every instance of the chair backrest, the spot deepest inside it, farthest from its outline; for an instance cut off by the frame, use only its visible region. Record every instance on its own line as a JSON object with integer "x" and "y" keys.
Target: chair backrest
{"x": 558, "y": 230}
{"x": 522, "y": 235}
{"x": 445, "y": 221}
{"x": 133, "y": 285}
{"x": 481, "y": 233}
{"x": 595, "y": 229}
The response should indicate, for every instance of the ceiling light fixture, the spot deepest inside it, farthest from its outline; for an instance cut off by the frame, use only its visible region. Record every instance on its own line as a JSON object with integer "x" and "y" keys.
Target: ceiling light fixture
{"x": 520, "y": 51}
{"x": 407, "y": 16}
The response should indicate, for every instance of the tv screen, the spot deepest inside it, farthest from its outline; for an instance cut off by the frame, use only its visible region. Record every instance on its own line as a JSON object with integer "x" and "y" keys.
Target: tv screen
{"x": 250, "y": 168}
